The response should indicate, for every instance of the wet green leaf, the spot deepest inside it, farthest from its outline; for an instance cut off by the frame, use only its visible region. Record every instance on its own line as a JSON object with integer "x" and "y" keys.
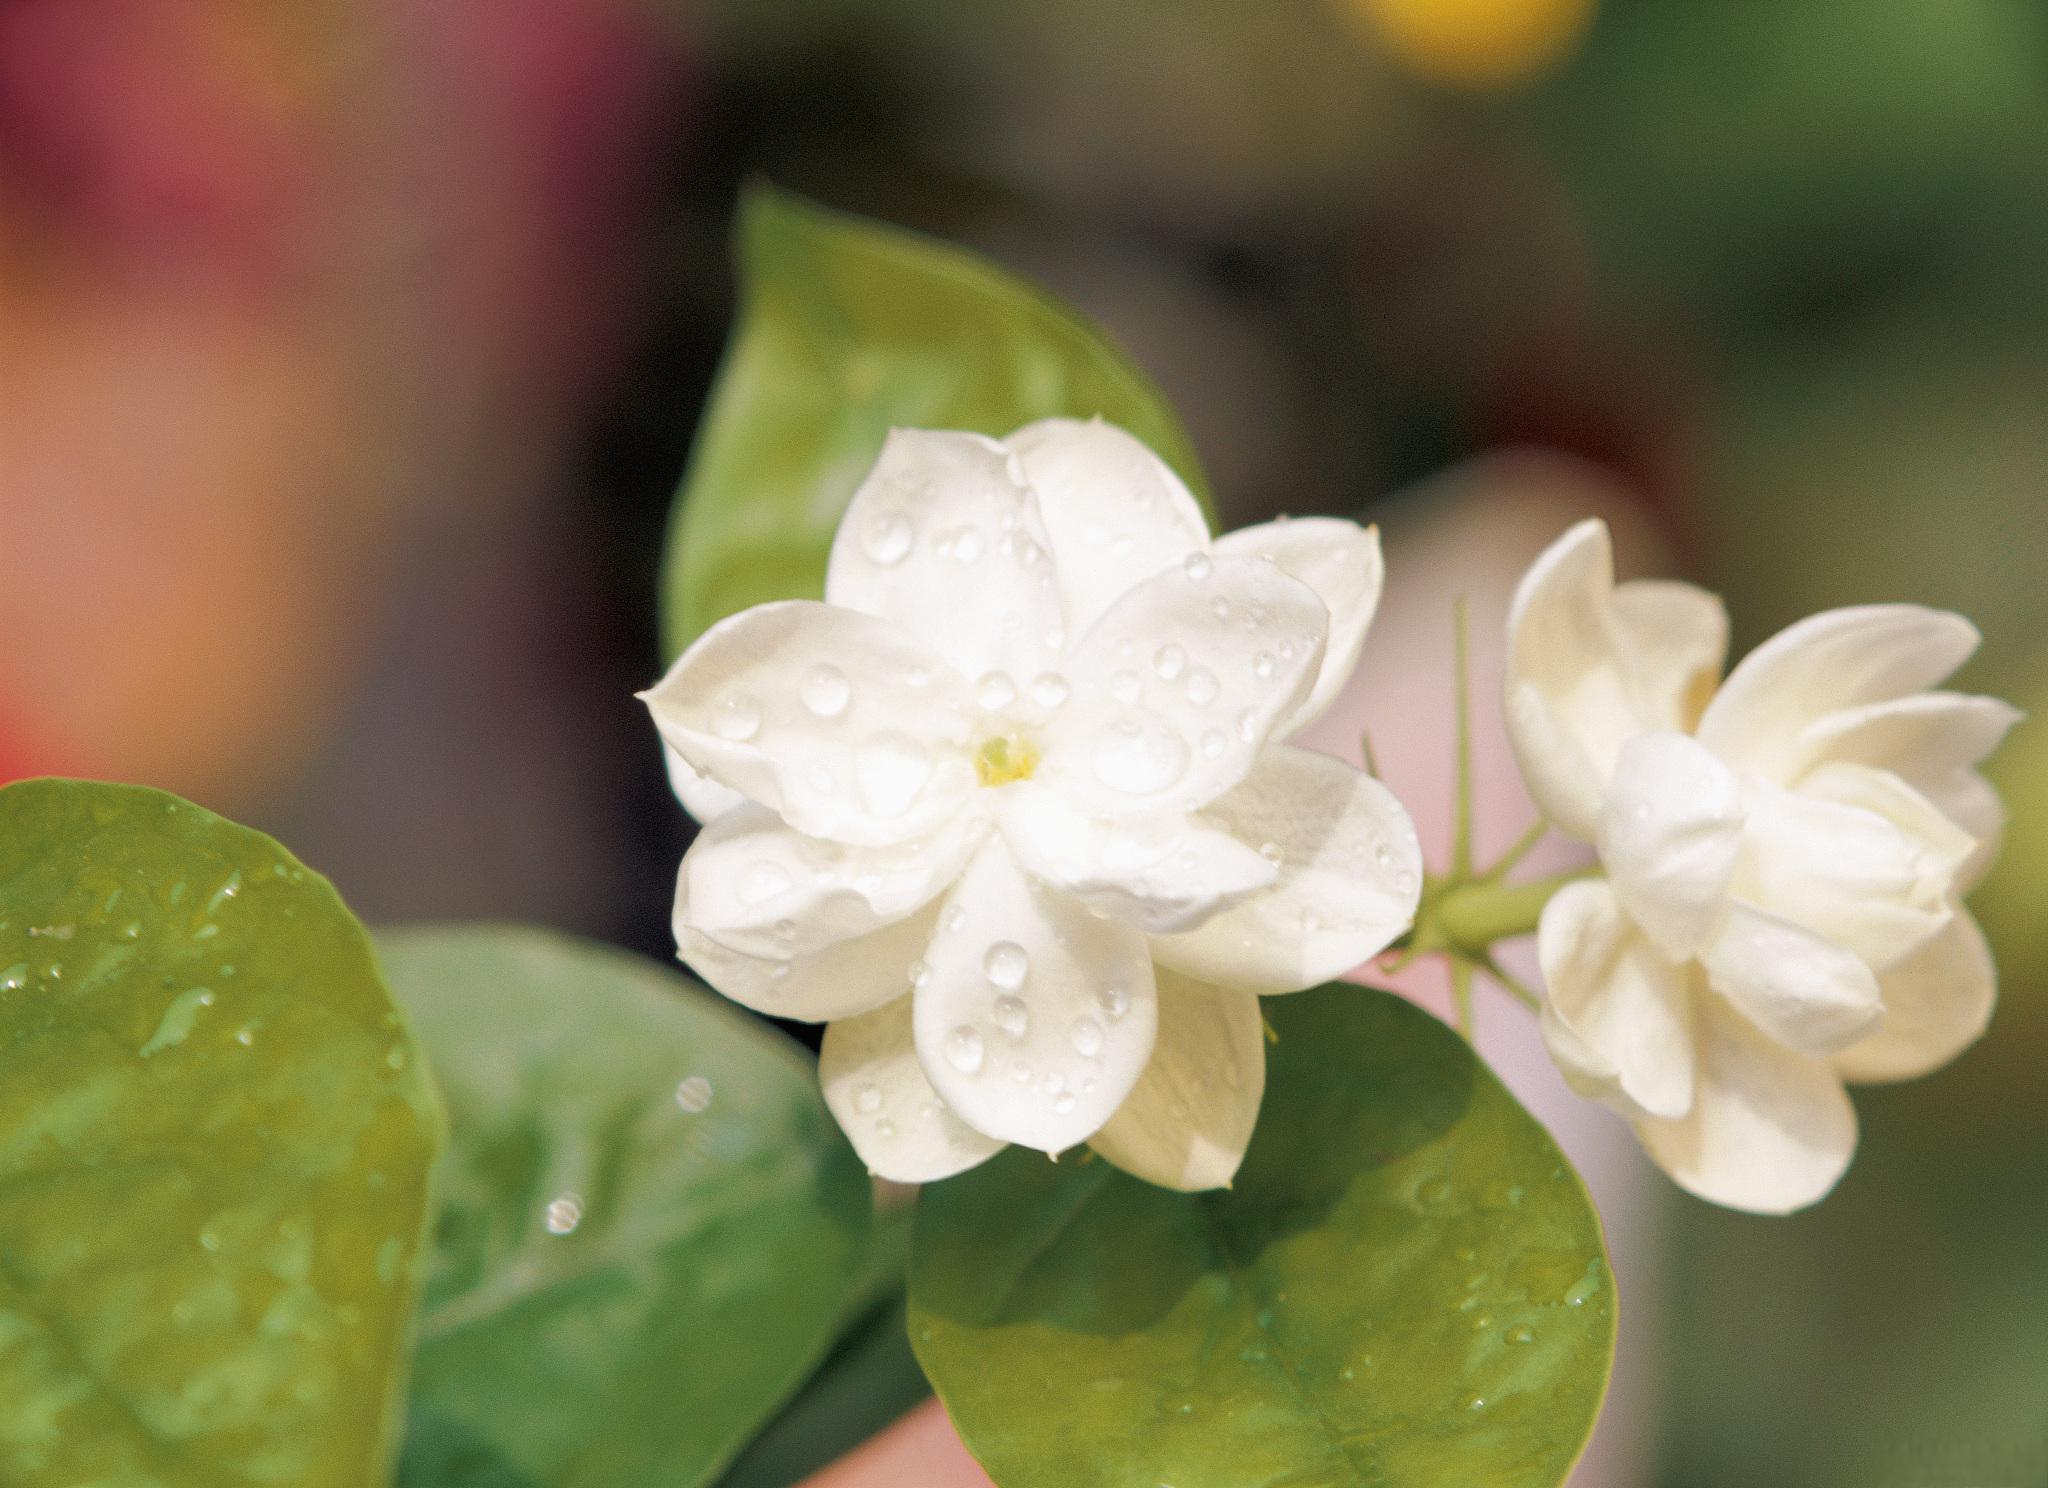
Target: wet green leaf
{"x": 649, "y": 1227}
{"x": 848, "y": 328}
{"x": 215, "y": 1139}
{"x": 1406, "y": 1286}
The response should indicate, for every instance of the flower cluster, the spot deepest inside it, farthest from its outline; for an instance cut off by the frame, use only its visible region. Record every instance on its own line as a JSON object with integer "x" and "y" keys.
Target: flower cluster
{"x": 1783, "y": 859}
{"x": 1012, "y": 808}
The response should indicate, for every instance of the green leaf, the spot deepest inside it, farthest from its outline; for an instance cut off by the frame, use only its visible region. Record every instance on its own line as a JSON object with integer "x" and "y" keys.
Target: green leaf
{"x": 848, "y": 328}
{"x": 649, "y": 1228}
{"x": 1406, "y": 1286}
{"x": 215, "y": 1140}
{"x": 869, "y": 1380}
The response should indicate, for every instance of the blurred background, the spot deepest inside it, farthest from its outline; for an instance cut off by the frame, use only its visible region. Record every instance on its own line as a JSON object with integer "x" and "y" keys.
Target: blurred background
{"x": 350, "y": 352}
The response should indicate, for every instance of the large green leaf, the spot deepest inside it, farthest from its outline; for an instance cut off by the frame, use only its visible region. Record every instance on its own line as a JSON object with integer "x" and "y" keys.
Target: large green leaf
{"x": 1406, "y": 1286}
{"x": 215, "y": 1140}
{"x": 848, "y": 328}
{"x": 649, "y": 1227}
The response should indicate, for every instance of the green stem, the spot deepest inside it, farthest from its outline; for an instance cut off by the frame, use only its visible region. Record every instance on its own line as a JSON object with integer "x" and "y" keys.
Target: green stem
{"x": 1470, "y": 917}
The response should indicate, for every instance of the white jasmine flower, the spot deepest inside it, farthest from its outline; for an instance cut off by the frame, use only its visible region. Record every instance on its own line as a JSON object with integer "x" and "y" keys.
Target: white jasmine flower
{"x": 1016, "y": 821}
{"x": 1784, "y": 855}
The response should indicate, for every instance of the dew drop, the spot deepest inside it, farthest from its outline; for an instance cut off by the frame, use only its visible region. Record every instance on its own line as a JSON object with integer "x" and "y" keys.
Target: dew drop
{"x": 1221, "y": 608}
{"x": 1049, "y": 689}
{"x": 564, "y": 1214}
{"x": 1020, "y": 1072}
{"x": 995, "y": 690}
{"x": 736, "y": 717}
{"x": 888, "y": 538}
{"x": 1087, "y": 1037}
{"x": 1197, "y": 566}
{"x": 1169, "y": 661}
{"x": 1011, "y": 1016}
{"x": 1126, "y": 687}
{"x": 826, "y": 691}
{"x": 1521, "y": 1334}
{"x": 1064, "y": 1105}
{"x": 868, "y": 1099}
{"x": 967, "y": 545}
{"x": 762, "y": 881}
{"x": 1114, "y": 1001}
{"x": 1201, "y": 687}
{"x": 693, "y": 1094}
{"x": 1270, "y": 851}
{"x": 1006, "y": 965}
{"x": 1213, "y": 743}
{"x": 920, "y": 976}
{"x": 963, "y": 1049}
{"x": 1248, "y": 725}
{"x": 885, "y": 1129}
{"x": 1141, "y": 762}
{"x": 1262, "y": 664}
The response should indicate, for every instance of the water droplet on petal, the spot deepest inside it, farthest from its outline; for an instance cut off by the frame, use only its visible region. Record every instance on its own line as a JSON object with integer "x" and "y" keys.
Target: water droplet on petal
{"x": 1141, "y": 761}
{"x": 1270, "y": 851}
{"x": 762, "y": 881}
{"x": 1125, "y": 686}
{"x": 1049, "y": 689}
{"x": 693, "y": 1094}
{"x": 737, "y": 717}
{"x": 885, "y": 1129}
{"x": 1262, "y": 664}
{"x": 826, "y": 691}
{"x": 1114, "y": 1001}
{"x": 888, "y": 538}
{"x": 1201, "y": 687}
{"x": 1248, "y": 725}
{"x": 920, "y": 976}
{"x": 1197, "y": 566}
{"x": 1169, "y": 661}
{"x": 1064, "y": 1105}
{"x": 964, "y": 1050}
{"x": 967, "y": 545}
{"x": 1087, "y": 1037}
{"x": 1006, "y": 965}
{"x": 868, "y": 1099}
{"x": 1213, "y": 743}
{"x": 1011, "y": 1015}
{"x": 995, "y": 690}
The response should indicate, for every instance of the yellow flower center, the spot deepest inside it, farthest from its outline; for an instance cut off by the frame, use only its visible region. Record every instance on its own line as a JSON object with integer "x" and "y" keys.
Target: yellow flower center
{"x": 1004, "y": 758}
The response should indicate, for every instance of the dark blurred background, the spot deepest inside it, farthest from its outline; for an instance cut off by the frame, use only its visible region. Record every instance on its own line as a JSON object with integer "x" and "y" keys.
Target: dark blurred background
{"x": 350, "y": 352}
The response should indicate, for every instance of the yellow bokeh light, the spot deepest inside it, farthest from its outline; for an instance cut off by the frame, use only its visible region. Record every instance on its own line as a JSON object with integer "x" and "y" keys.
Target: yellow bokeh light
{"x": 1474, "y": 43}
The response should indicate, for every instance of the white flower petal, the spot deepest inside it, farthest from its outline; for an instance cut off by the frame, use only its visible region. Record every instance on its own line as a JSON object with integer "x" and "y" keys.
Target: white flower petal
{"x": 1924, "y": 735}
{"x": 1034, "y": 1018}
{"x": 1116, "y": 512}
{"x": 704, "y": 798}
{"x": 761, "y": 889}
{"x": 1834, "y": 660}
{"x": 1349, "y": 881}
{"x": 1589, "y": 669}
{"x": 837, "y": 722}
{"x": 945, "y": 539}
{"x": 1770, "y": 1130}
{"x": 1936, "y": 1004}
{"x": 1843, "y": 868}
{"x": 852, "y": 977}
{"x": 1159, "y": 874}
{"x": 1617, "y": 1016}
{"x": 1674, "y": 640}
{"x": 1188, "y": 1120}
{"x": 1799, "y": 988}
{"x": 1341, "y": 561}
{"x": 1179, "y": 684}
{"x": 1670, "y": 830}
{"x": 1968, "y": 799}
{"x": 878, "y": 1092}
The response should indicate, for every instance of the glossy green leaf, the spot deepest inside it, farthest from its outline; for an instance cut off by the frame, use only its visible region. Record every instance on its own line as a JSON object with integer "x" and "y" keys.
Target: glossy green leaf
{"x": 848, "y": 328}
{"x": 215, "y": 1140}
{"x": 649, "y": 1226}
{"x": 1406, "y": 1288}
